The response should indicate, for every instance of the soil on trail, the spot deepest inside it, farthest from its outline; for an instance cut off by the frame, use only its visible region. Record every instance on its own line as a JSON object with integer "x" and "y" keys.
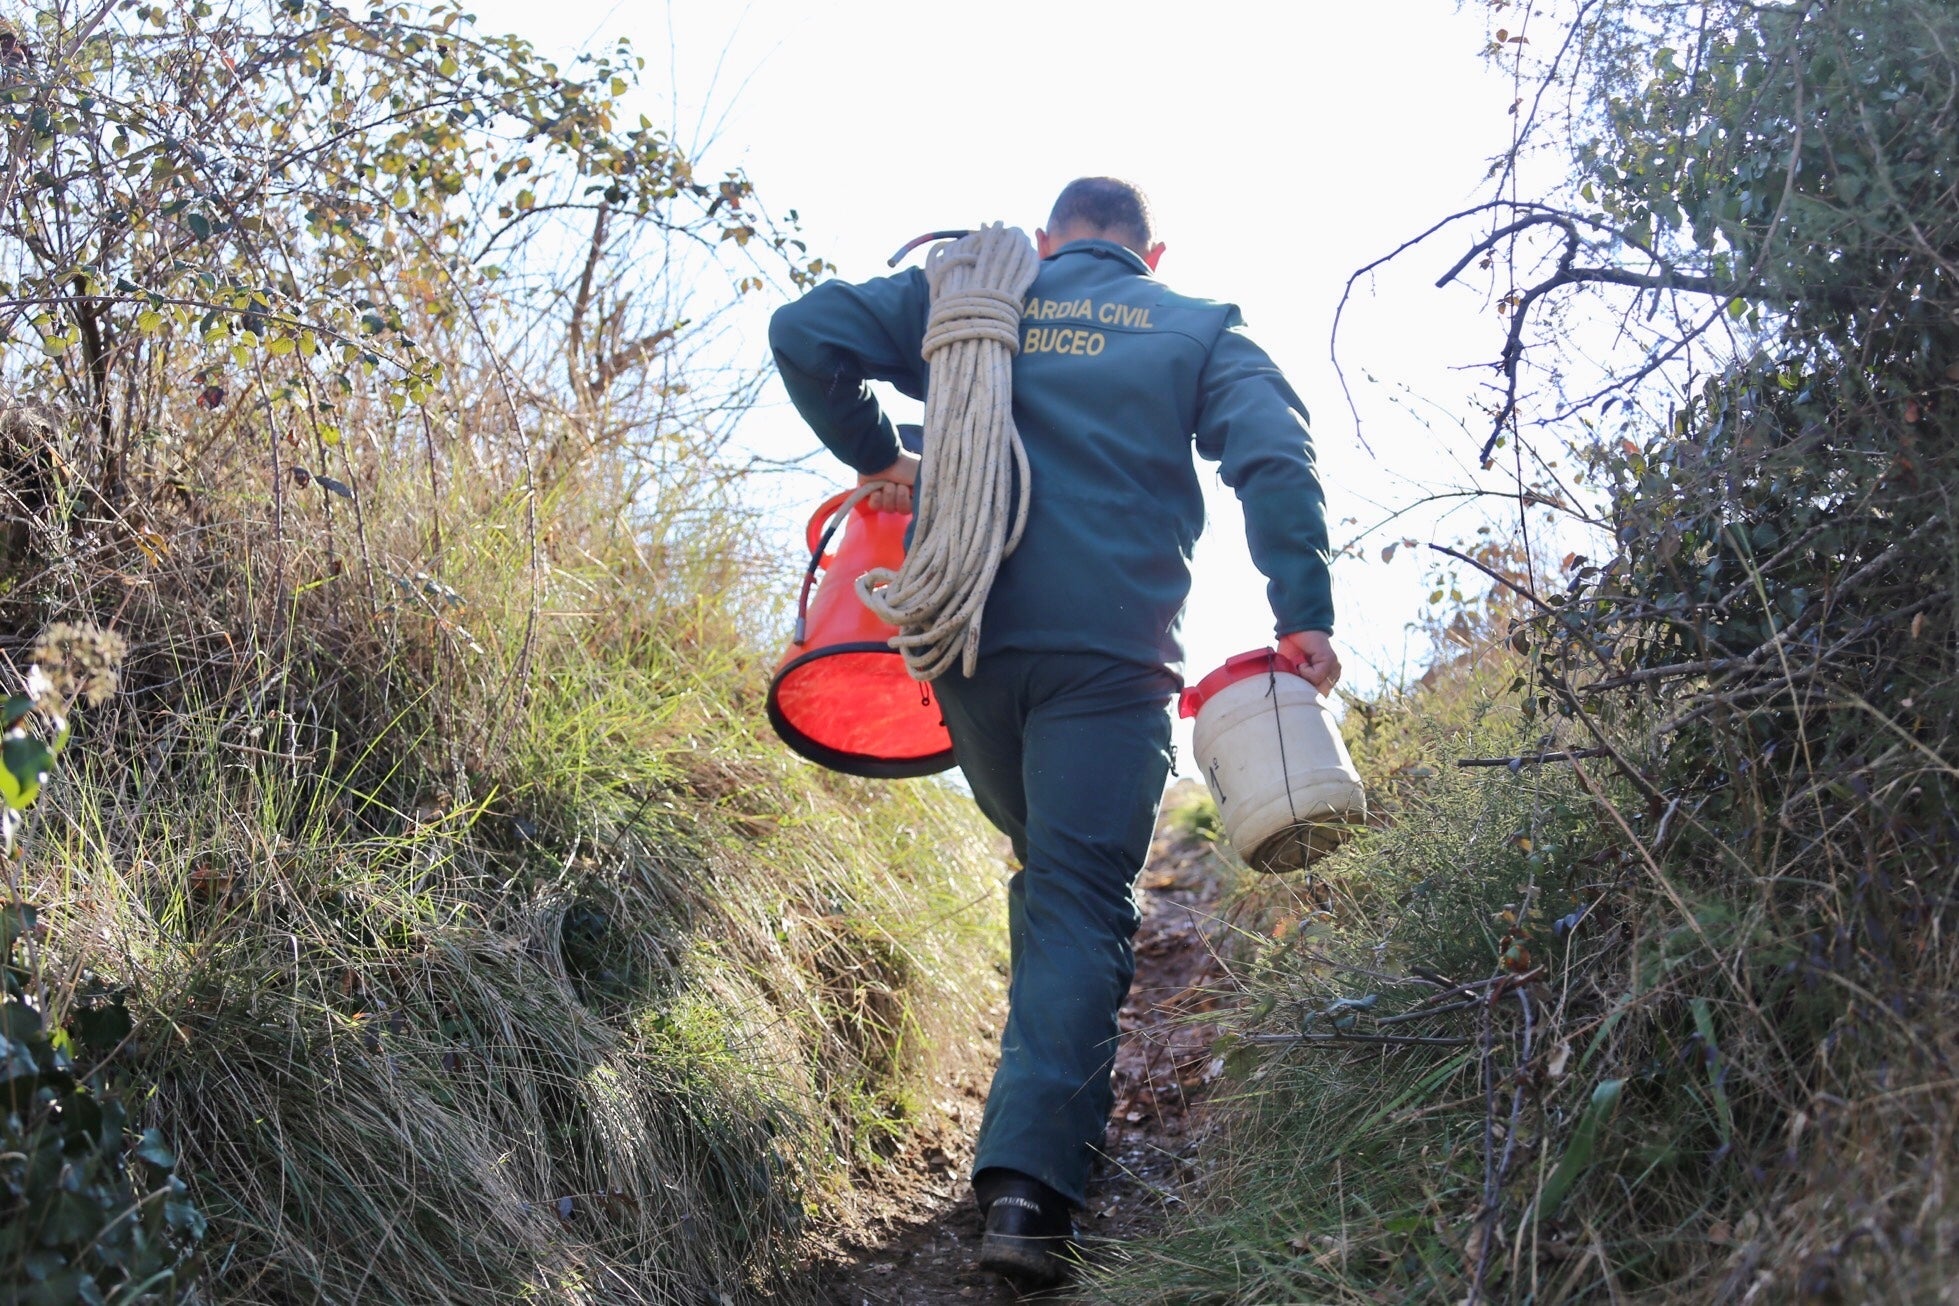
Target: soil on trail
{"x": 915, "y": 1234}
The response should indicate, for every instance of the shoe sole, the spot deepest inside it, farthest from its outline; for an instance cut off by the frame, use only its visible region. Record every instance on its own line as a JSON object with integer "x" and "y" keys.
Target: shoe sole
{"x": 1029, "y": 1263}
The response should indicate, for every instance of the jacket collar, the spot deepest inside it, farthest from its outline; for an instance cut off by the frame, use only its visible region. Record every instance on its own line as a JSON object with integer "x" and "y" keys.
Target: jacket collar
{"x": 1108, "y": 249}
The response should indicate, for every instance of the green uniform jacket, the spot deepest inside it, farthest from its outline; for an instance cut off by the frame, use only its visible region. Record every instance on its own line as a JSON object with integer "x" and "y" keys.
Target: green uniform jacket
{"x": 1116, "y": 376}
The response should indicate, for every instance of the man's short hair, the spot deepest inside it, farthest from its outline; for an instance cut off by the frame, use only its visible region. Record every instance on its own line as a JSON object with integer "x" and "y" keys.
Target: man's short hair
{"x": 1114, "y": 208}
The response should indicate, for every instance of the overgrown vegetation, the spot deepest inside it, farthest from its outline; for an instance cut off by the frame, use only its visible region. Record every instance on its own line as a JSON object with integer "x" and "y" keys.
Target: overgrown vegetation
{"x": 1661, "y": 1003}
{"x": 72, "y": 1223}
{"x": 473, "y": 942}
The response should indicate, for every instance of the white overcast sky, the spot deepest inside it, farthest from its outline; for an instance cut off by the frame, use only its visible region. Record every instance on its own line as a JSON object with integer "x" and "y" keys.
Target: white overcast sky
{"x": 1283, "y": 145}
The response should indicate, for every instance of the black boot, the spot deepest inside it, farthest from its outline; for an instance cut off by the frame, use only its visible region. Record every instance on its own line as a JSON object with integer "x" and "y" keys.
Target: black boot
{"x": 1030, "y": 1230}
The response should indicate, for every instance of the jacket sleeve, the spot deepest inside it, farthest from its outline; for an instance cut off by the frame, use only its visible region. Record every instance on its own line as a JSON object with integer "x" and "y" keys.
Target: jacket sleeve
{"x": 1251, "y": 423}
{"x": 839, "y": 336}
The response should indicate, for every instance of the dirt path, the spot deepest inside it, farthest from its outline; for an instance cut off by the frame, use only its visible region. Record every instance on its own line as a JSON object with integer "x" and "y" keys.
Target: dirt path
{"x": 916, "y": 1233}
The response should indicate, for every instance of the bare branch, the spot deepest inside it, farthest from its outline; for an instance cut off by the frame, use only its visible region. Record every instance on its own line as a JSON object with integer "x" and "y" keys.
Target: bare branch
{"x": 1496, "y": 576}
{"x": 1531, "y": 759}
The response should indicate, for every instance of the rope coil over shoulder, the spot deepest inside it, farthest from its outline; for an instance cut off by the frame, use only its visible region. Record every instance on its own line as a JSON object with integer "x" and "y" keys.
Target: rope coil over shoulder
{"x": 968, "y": 520}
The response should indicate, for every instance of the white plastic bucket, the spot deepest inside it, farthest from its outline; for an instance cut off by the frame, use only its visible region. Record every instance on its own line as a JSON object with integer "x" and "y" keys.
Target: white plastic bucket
{"x": 1271, "y": 752}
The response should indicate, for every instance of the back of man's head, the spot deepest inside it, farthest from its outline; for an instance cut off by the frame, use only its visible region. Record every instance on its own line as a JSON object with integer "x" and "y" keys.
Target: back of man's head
{"x": 1103, "y": 208}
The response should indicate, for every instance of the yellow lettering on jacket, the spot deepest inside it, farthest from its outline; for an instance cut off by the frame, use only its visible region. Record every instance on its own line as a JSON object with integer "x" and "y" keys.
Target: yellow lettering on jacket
{"x": 1124, "y": 315}
{"x": 1047, "y": 310}
{"x": 1063, "y": 340}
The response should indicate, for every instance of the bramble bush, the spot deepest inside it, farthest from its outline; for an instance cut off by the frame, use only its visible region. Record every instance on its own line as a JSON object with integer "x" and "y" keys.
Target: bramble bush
{"x": 1686, "y": 983}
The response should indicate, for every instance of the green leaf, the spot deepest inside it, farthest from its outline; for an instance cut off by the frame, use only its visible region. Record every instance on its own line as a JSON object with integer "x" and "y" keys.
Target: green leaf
{"x": 20, "y": 1069}
{"x": 1578, "y": 1152}
{"x": 184, "y": 1217}
{"x": 54, "y": 1284}
{"x": 81, "y": 1117}
{"x": 69, "y": 1218}
{"x": 24, "y": 765}
{"x": 101, "y": 1028}
{"x": 1704, "y": 1026}
{"x": 14, "y": 710}
{"x": 153, "y": 1151}
{"x": 16, "y": 919}
{"x": 19, "y": 1022}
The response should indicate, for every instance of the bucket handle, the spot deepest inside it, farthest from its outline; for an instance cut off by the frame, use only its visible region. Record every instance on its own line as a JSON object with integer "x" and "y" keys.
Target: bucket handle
{"x": 823, "y": 522}
{"x": 832, "y": 511}
{"x": 1266, "y": 657}
{"x": 925, "y": 239}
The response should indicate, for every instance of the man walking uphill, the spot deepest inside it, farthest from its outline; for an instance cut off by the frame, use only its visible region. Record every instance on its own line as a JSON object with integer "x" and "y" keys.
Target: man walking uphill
{"x": 1062, "y": 729}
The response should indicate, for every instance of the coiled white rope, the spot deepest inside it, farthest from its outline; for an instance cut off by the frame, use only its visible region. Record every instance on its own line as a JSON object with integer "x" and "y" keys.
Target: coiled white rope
{"x": 968, "y": 522}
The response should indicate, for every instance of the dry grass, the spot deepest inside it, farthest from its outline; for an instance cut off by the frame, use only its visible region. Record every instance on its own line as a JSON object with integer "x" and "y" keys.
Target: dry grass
{"x": 481, "y": 947}
{"x": 1698, "y": 1083}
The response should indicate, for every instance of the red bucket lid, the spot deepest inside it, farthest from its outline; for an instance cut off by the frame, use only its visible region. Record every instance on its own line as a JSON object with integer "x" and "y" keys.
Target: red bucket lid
{"x": 1240, "y": 666}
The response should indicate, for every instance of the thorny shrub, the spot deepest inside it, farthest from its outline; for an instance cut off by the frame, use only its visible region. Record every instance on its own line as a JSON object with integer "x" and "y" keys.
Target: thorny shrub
{"x": 1666, "y": 1004}
{"x": 1767, "y": 661}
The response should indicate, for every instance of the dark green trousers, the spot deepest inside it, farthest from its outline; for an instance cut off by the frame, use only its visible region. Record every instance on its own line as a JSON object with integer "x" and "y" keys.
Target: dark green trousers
{"x": 1067, "y": 753}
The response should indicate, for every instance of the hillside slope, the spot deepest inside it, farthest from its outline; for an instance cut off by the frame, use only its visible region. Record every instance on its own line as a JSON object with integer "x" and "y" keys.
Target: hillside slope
{"x": 448, "y": 987}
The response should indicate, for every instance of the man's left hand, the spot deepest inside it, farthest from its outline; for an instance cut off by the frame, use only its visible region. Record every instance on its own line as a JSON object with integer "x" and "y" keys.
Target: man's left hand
{"x": 894, "y": 492}
{"x": 1317, "y": 660}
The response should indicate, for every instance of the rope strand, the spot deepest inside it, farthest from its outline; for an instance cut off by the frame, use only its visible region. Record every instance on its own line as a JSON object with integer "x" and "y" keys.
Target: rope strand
{"x": 968, "y": 522}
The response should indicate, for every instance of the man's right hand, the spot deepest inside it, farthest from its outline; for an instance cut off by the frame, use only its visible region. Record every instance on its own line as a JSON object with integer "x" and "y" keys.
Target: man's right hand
{"x": 897, "y": 482}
